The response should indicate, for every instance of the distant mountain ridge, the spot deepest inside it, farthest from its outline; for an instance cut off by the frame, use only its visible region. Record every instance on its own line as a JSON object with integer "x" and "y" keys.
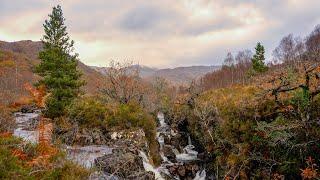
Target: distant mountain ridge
{"x": 26, "y": 54}
{"x": 178, "y": 75}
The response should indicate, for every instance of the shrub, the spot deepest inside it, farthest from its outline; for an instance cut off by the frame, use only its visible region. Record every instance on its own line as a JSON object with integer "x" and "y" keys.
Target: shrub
{"x": 16, "y": 158}
{"x": 11, "y": 167}
{"x": 252, "y": 136}
{"x": 87, "y": 112}
{"x": 7, "y": 122}
{"x": 68, "y": 171}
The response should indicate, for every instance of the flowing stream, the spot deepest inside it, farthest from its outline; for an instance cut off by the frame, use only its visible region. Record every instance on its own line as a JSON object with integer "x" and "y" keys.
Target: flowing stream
{"x": 188, "y": 154}
{"x": 27, "y": 124}
{"x": 85, "y": 155}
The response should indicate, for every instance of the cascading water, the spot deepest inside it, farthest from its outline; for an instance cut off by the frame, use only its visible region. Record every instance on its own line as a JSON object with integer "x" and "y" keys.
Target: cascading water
{"x": 148, "y": 166}
{"x": 188, "y": 154}
{"x": 86, "y": 155}
{"x": 25, "y": 126}
{"x": 28, "y": 131}
{"x": 201, "y": 175}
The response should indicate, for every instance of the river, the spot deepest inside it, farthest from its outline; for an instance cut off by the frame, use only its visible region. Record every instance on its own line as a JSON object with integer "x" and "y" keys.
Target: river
{"x": 86, "y": 155}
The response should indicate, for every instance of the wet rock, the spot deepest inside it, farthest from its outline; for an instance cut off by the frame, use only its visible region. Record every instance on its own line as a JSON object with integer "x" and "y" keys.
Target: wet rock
{"x": 181, "y": 171}
{"x": 124, "y": 163}
{"x": 89, "y": 137}
{"x": 142, "y": 175}
{"x": 127, "y": 138}
{"x": 27, "y": 121}
{"x": 202, "y": 156}
{"x": 168, "y": 152}
{"x": 167, "y": 140}
{"x": 102, "y": 176}
{"x": 83, "y": 137}
{"x": 179, "y": 141}
{"x": 184, "y": 171}
{"x": 98, "y": 137}
{"x": 28, "y": 109}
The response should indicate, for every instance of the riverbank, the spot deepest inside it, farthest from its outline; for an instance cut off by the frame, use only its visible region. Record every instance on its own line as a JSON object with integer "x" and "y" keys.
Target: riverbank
{"x": 123, "y": 147}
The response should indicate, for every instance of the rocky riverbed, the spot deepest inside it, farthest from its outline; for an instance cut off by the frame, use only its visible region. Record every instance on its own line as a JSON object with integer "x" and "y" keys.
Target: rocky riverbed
{"x": 124, "y": 154}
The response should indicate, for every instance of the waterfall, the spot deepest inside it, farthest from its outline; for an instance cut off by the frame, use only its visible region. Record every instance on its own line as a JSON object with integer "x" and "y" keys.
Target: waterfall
{"x": 188, "y": 154}
{"x": 189, "y": 140}
{"x": 27, "y": 130}
{"x": 24, "y": 122}
{"x": 86, "y": 155}
{"x": 148, "y": 166}
{"x": 201, "y": 175}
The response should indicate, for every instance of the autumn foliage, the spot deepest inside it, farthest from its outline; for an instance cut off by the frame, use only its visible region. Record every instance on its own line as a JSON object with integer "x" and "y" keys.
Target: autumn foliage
{"x": 258, "y": 126}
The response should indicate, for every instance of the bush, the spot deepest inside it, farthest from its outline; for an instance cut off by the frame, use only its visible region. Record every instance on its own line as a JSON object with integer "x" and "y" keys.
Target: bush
{"x": 251, "y": 135}
{"x": 68, "y": 171}
{"x": 11, "y": 167}
{"x": 16, "y": 156}
{"x": 87, "y": 112}
{"x": 7, "y": 122}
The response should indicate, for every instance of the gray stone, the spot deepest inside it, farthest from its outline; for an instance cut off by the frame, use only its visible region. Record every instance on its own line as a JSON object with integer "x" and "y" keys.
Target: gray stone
{"x": 124, "y": 163}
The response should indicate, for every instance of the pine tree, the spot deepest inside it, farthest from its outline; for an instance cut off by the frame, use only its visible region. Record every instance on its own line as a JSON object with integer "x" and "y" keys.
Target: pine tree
{"x": 258, "y": 59}
{"x": 58, "y": 65}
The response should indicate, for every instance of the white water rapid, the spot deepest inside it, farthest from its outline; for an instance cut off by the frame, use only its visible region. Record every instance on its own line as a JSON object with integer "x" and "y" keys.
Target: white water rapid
{"x": 188, "y": 154}
{"x": 86, "y": 155}
{"x": 24, "y": 129}
{"x": 27, "y": 130}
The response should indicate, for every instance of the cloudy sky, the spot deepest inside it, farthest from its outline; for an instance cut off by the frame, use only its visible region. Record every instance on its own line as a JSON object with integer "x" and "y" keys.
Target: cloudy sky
{"x": 163, "y": 33}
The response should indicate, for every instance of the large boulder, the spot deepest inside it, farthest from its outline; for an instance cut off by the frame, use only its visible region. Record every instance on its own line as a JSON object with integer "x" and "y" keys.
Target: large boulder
{"x": 99, "y": 175}
{"x": 83, "y": 136}
{"x": 28, "y": 108}
{"x": 71, "y": 133}
{"x": 169, "y": 153}
{"x": 145, "y": 175}
{"x": 127, "y": 138}
{"x": 179, "y": 141}
{"x": 184, "y": 171}
{"x": 124, "y": 163}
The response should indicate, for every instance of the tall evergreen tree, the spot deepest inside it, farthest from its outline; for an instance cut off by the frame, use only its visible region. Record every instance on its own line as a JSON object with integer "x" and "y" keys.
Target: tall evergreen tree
{"x": 258, "y": 59}
{"x": 58, "y": 65}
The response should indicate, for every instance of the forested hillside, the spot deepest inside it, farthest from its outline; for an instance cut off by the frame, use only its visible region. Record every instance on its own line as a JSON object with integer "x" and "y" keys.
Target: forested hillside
{"x": 17, "y": 61}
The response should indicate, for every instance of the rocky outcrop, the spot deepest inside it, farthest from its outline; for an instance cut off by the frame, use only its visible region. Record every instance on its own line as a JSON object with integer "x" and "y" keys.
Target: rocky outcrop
{"x": 184, "y": 171}
{"x": 146, "y": 175}
{"x": 92, "y": 136}
{"x": 124, "y": 164}
{"x": 83, "y": 136}
{"x": 127, "y": 138}
{"x": 28, "y": 108}
{"x": 169, "y": 153}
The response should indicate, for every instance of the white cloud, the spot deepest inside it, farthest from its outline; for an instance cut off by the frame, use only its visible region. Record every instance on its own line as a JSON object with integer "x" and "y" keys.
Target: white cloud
{"x": 163, "y": 33}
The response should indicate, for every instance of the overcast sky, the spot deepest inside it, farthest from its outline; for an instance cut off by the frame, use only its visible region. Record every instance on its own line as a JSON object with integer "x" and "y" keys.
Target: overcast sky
{"x": 163, "y": 33}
